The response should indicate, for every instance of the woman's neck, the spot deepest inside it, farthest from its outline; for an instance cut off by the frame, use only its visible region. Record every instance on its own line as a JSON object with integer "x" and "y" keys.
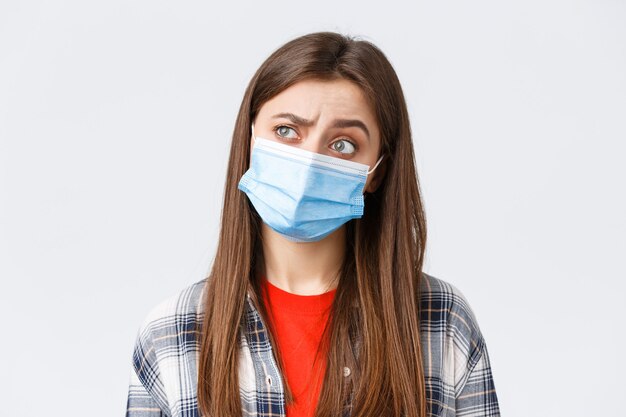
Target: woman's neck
{"x": 303, "y": 268}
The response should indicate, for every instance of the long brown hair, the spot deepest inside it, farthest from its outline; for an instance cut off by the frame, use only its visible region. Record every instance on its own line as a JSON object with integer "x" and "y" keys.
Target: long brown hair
{"x": 374, "y": 325}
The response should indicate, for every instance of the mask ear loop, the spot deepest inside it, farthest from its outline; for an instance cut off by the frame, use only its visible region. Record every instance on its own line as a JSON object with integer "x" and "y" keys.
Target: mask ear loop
{"x": 375, "y": 166}
{"x": 372, "y": 170}
{"x": 252, "y": 128}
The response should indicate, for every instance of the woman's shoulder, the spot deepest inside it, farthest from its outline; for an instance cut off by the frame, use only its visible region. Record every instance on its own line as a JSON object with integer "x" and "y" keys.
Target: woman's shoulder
{"x": 180, "y": 312}
{"x": 456, "y": 359}
{"x": 451, "y": 332}
{"x": 445, "y": 307}
{"x": 184, "y": 304}
{"x": 173, "y": 323}
{"x": 165, "y": 351}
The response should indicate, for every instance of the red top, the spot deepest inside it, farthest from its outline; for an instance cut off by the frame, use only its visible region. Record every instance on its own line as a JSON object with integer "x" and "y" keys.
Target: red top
{"x": 298, "y": 322}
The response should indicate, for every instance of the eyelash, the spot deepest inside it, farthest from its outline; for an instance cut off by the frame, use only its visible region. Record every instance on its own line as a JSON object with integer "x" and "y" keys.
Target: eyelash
{"x": 275, "y": 130}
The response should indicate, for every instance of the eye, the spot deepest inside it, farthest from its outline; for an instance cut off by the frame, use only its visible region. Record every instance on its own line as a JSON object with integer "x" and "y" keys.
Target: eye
{"x": 344, "y": 146}
{"x": 283, "y": 132}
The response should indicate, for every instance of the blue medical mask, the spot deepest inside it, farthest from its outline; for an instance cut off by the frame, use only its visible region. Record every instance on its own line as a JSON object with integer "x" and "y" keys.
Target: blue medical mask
{"x": 303, "y": 195}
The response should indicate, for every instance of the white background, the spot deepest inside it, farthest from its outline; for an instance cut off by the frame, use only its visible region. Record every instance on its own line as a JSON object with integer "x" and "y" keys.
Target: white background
{"x": 115, "y": 123}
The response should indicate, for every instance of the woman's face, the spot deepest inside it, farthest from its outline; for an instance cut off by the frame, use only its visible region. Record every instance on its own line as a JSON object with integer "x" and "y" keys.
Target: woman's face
{"x": 327, "y": 117}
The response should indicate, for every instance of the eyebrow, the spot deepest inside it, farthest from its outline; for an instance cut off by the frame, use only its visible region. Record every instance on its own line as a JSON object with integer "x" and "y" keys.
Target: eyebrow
{"x": 301, "y": 121}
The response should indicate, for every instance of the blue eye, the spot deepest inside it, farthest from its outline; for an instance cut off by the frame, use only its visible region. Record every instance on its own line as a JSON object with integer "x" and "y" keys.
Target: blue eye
{"x": 344, "y": 146}
{"x": 283, "y": 131}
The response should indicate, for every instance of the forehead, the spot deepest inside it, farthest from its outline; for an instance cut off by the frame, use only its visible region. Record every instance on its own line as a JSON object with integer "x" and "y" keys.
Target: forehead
{"x": 321, "y": 99}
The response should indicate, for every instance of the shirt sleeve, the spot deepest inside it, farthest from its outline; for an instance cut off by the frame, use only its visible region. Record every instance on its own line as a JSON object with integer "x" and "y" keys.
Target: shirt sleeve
{"x": 140, "y": 403}
{"x": 146, "y": 394}
{"x": 477, "y": 397}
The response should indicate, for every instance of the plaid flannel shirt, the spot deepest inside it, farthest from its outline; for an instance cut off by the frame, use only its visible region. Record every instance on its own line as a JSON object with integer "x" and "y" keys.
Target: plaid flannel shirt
{"x": 163, "y": 377}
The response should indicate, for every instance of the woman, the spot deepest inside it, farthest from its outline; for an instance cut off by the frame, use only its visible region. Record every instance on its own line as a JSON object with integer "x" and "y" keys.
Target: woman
{"x": 316, "y": 303}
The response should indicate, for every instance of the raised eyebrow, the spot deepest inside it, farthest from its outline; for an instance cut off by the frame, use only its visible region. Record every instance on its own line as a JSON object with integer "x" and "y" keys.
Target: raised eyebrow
{"x": 295, "y": 119}
{"x": 340, "y": 123}
{"x": 352, "y": 123}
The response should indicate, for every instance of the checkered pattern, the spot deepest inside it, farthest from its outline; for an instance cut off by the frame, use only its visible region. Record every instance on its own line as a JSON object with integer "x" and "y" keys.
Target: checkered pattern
{"x": 163, "y": 377}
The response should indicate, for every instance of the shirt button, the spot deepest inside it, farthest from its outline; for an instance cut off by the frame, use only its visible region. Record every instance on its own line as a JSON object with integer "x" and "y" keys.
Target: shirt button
{"x": 268, "y": 379}
{"x": 346, "y": 371}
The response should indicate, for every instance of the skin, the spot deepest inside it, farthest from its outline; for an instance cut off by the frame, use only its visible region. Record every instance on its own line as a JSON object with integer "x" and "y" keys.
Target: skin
{"x": 310, "y": 268}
